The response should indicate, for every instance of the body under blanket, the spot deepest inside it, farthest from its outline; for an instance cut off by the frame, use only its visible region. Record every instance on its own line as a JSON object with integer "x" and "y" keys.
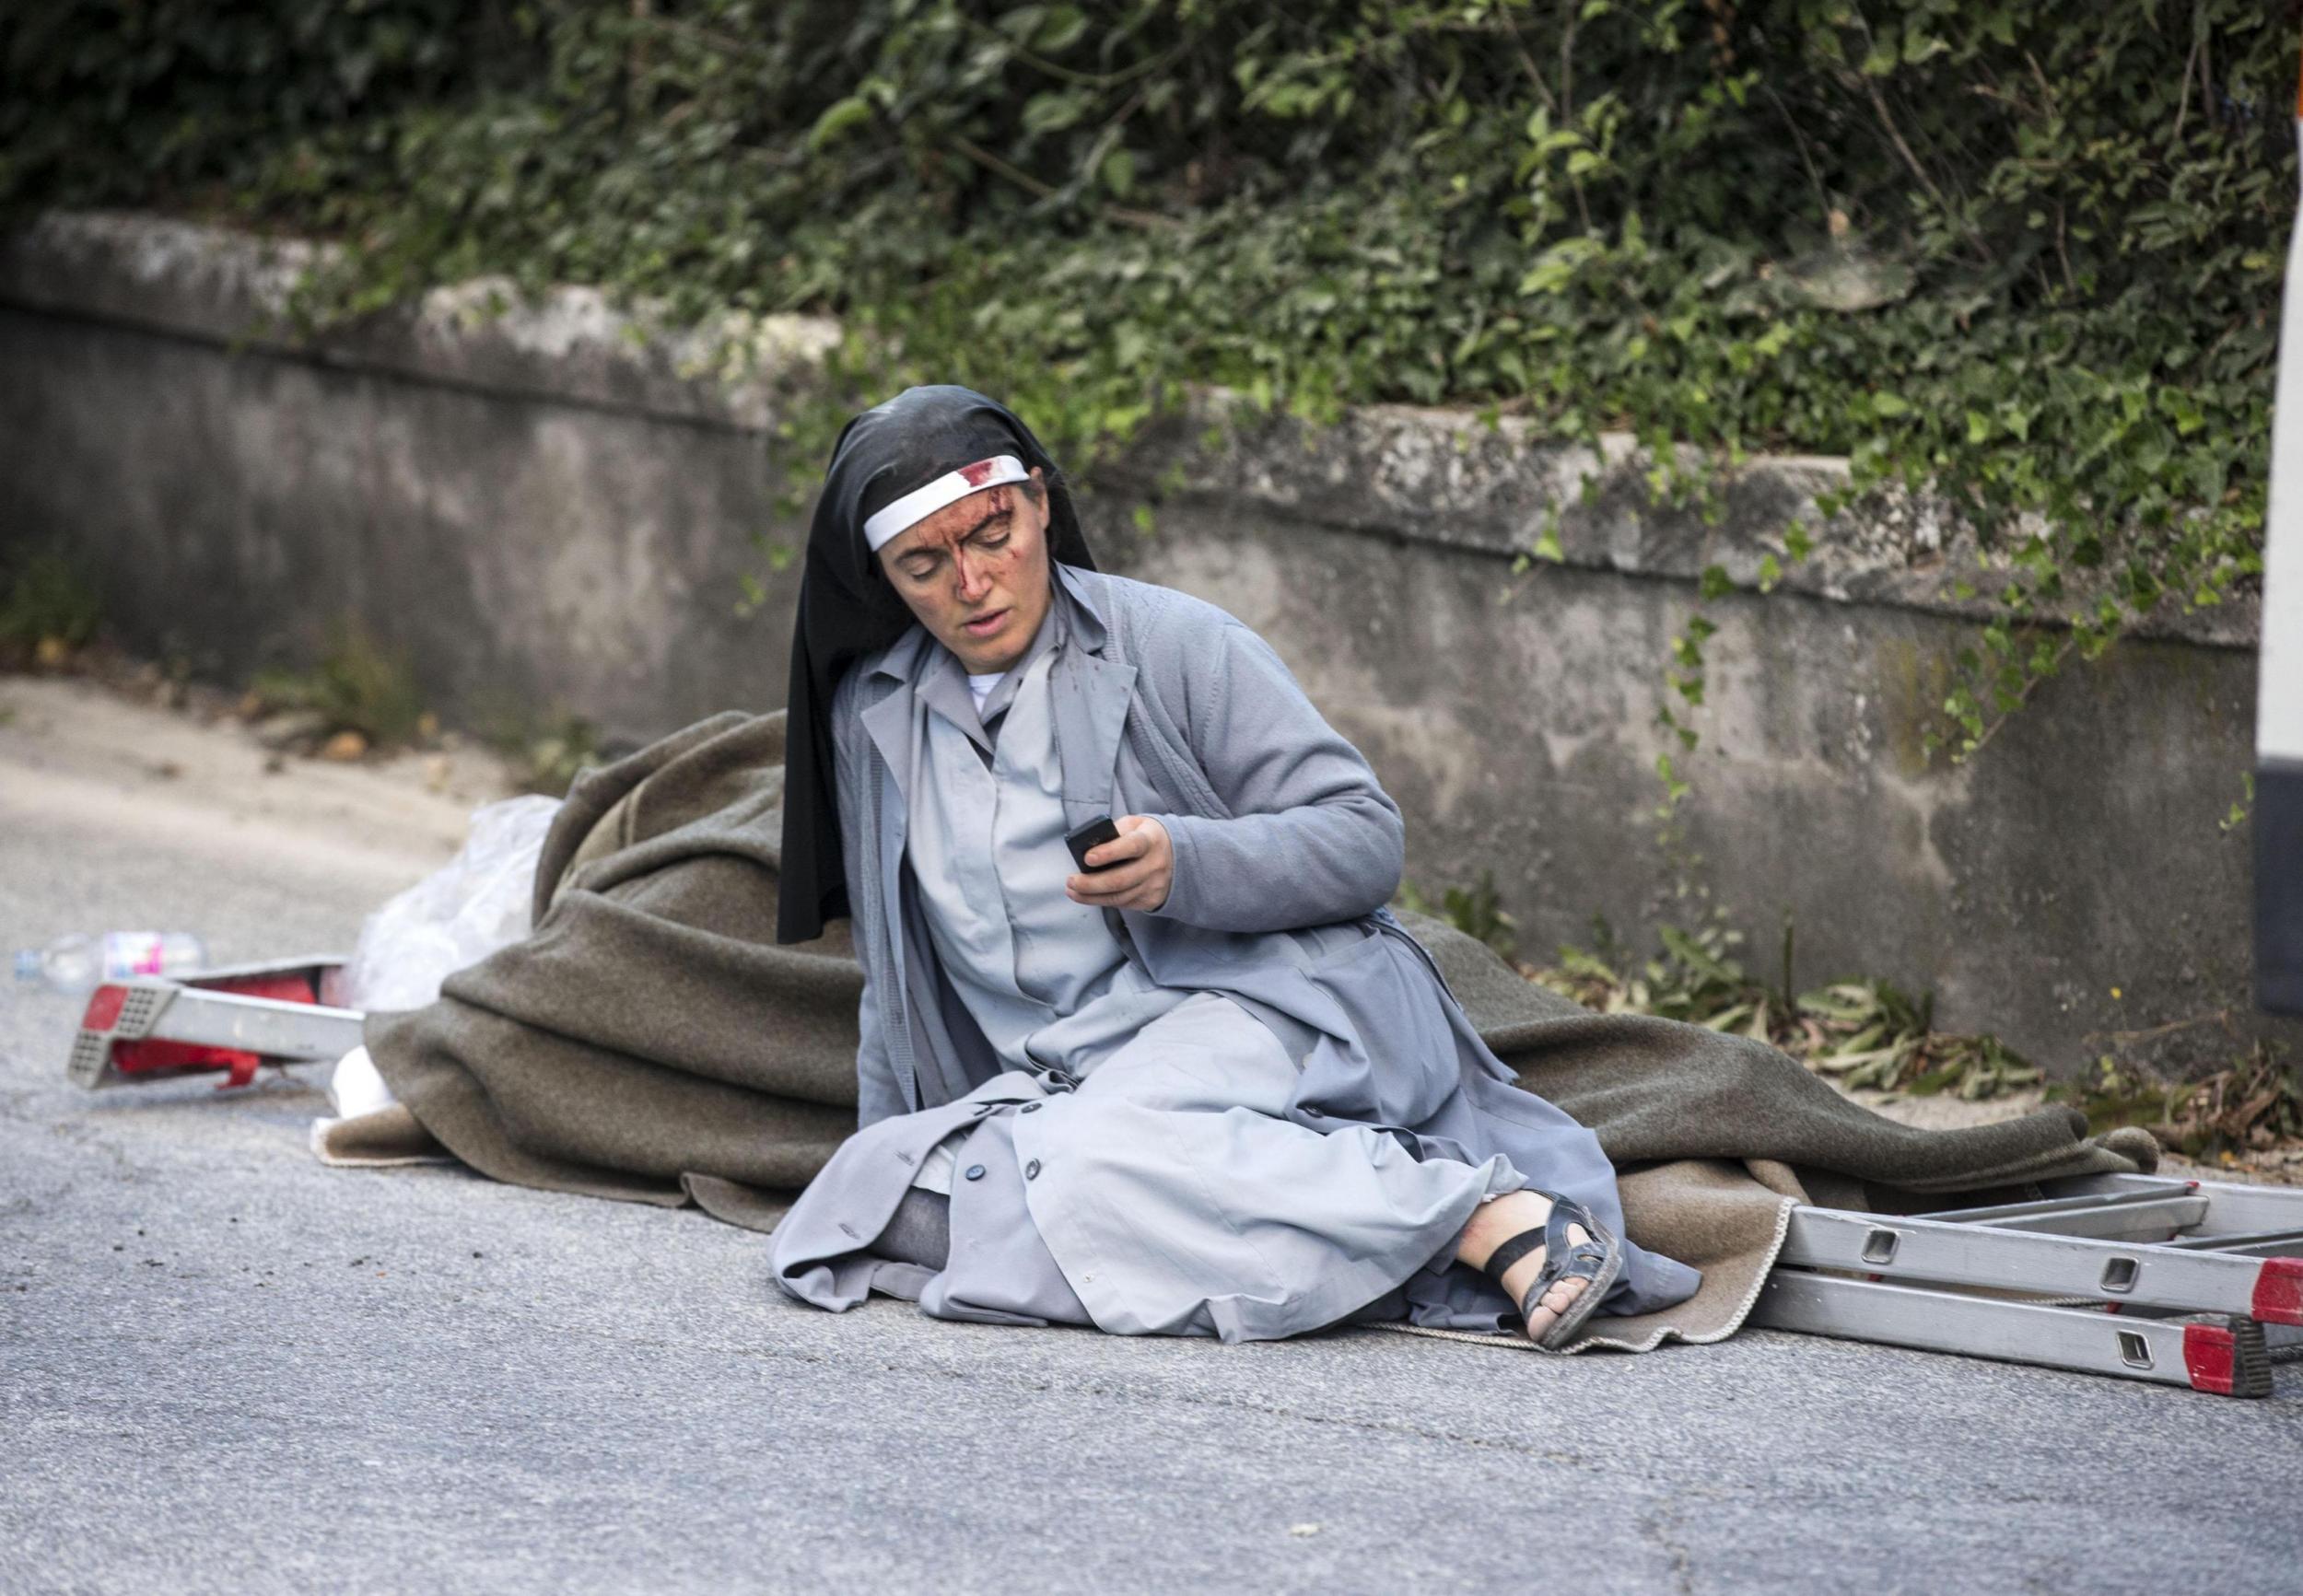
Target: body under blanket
{"x": 650, "y": 1041}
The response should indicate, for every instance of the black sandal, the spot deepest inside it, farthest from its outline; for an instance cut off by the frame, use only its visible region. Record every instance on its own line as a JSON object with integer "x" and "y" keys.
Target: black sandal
{"x": 1597, "y": 1260}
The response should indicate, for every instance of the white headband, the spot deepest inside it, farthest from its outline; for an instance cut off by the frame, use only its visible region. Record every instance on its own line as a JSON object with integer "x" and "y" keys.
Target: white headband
{"x": 920, "y": 503}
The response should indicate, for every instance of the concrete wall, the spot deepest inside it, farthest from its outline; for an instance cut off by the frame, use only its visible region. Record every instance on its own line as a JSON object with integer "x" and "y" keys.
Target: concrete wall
{"x": 549, "y": 514}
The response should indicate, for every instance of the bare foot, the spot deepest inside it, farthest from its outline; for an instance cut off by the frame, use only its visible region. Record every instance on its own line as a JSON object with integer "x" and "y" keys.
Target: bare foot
{"x": 1504, "y": 1217}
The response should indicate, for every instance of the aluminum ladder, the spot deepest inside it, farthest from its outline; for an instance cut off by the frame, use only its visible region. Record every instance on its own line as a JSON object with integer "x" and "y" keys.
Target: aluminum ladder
{"x": 2189, "y": 1283}
{"x": 233, "y": 1019}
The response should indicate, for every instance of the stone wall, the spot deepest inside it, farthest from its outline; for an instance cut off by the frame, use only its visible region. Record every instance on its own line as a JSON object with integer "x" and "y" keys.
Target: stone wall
{"x": 551, "y": 510}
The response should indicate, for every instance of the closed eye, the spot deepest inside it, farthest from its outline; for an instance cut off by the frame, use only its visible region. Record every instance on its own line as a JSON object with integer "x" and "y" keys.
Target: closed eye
{"x": 991, "y": 532}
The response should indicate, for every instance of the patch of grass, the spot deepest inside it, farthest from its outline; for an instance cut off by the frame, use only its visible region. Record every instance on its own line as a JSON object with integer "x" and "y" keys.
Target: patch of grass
{"x": 548, "y": 751}
{"x": 1870, "y": 1034}
{"x": 1862, "y": 1032}
{"x": 555, "y": 758}
{"x": 1477, "y": 911}
{"x": 48, "y": 609}
{"x": 360, "y": 685}
{"x": 2255, "y": 1103}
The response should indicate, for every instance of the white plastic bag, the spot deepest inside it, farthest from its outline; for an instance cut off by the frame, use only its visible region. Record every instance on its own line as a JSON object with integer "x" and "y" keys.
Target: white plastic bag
{"x": 458, "y": 914}
{"x": 355, "y": 1087}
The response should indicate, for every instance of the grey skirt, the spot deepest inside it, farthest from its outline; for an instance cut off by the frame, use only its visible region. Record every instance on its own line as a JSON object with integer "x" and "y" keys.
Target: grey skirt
{"x": 1164, "y": 1195}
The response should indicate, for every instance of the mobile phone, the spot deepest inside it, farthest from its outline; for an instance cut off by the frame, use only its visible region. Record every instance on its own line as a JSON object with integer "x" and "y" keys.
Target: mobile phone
{"x": 1097, "y": 832}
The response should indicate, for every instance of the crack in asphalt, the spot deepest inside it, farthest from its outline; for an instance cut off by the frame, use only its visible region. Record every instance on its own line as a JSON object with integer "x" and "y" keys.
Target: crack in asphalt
{"x": 1651, "y": 1528}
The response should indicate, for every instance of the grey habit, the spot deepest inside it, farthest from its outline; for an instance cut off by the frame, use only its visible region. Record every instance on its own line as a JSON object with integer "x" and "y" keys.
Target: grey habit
{"x": 1253, "y": 1112}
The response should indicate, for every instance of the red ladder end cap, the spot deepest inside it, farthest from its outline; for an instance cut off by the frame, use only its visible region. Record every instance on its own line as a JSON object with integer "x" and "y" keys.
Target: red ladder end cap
{"x": 2210, "y": 1355}
{"x": 2279, "y": 1292}
{"x": 103, "y": 1008}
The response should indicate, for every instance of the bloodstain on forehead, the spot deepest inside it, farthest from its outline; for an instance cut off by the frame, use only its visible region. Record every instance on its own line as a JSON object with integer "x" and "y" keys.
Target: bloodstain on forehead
{"x": 976, "y": 474}
{"x": 961, "y": 517}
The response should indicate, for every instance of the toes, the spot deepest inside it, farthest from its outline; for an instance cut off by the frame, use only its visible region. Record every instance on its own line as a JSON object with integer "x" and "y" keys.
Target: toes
{"x": 1561, "y": 1294}
{"x": 1558, "y": 1298}
{"x": 1555, "y": 1302}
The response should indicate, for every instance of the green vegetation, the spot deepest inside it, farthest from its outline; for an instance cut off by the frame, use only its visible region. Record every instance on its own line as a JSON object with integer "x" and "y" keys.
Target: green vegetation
{"x": 549, "y": 753}
{"x": 1478, "y": 912}
{"x": 47, "y": 608}
{"x": 2025, "y": 250}
{"x": 545, "y": 746}
{"x": 359, "y": 686}
{"x": 1863, "y": 1033}
{"x": 1869, "y": 1034}
{"x": 2253, "y": 1103}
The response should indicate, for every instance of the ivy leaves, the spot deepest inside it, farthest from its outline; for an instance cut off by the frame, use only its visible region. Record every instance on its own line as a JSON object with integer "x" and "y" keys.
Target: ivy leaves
{"x": 2024, "y": 254}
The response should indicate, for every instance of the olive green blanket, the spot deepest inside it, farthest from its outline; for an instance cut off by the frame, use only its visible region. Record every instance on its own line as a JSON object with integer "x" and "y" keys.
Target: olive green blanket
{"x": 650, "y": 1041}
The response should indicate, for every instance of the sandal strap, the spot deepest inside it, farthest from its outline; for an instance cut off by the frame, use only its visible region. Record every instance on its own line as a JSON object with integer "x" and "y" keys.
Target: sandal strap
{"x": 1560, "y": 1255}
{"x": 1563, "y": 1259}
{"x": 1512, "y": 1248}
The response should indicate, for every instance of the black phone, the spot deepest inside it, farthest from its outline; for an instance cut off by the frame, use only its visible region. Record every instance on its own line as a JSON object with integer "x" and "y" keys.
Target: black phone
{"x": 1097, "y": 832}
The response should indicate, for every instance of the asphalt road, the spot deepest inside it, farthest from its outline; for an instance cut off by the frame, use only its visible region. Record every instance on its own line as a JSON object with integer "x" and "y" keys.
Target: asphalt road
{"x": 225, "y": 1368}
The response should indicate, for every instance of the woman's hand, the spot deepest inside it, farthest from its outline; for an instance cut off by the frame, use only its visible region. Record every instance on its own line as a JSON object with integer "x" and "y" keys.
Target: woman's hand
{"x": 1142, "y": 866}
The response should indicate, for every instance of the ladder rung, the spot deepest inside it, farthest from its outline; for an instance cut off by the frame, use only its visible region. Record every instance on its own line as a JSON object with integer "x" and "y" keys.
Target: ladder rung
{"x": 2168, "y": 1275}
{"x": 2087, "y": 1202}
{"x": 2161, "y": 1220}
{"x": 2229, "y": 1360}
{"x": 2232, "y": 1209}
{"x": 2256, "y": 1244}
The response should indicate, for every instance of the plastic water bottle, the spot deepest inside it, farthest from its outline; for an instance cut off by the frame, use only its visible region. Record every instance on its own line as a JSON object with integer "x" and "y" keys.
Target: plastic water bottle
{"x": 76, "y": 962}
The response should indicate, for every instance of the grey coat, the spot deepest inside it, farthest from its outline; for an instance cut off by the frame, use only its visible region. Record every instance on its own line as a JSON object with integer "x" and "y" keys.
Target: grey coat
{"x": 1286, "y": 852}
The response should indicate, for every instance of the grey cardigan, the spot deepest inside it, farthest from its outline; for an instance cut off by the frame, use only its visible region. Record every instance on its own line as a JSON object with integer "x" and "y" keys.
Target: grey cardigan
{"x": 1166, "y": 705}
{"x": 1287, "y": 850}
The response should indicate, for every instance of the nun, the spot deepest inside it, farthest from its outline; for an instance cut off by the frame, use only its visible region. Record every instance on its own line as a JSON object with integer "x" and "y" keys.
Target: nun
{"x": 1141, "y": 1048}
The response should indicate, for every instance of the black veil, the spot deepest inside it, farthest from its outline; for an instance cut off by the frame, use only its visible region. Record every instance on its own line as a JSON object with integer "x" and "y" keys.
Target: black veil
{"x": 847, "y": 609}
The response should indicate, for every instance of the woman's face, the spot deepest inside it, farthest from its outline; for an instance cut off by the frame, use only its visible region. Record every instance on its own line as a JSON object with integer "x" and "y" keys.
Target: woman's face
{"x": 977, "y": 573}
